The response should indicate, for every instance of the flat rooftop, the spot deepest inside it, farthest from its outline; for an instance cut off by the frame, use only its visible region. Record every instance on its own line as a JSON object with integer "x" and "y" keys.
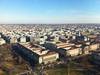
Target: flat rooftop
{"x": 41, "y": 51}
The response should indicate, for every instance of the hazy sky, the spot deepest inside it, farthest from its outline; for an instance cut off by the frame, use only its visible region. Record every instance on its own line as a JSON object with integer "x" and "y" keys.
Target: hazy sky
{"x": 49, "y": 11}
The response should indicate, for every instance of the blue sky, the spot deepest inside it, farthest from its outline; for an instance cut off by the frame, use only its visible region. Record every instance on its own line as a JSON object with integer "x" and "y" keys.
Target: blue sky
{"x": 49, "y": 11}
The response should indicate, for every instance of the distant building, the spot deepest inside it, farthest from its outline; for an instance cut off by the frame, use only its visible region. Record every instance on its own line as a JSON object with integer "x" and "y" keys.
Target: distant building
{"x": 13, "y": 40}
{"x": 2, "y": 41}
{"x": 22, "y": 39}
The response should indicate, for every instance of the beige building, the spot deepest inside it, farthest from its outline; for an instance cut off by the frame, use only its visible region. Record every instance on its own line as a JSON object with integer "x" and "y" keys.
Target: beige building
{"x": 64, "y": 45}
{"x": 70, "y": 49}
{"x": 48, "y": 58}
{"x": 74, "y": 51}
{"x": 2, "y": 41}
{"x": 13, "y": 40}
{"x": 93, "y": 47}
{"x": 42, "y": 55}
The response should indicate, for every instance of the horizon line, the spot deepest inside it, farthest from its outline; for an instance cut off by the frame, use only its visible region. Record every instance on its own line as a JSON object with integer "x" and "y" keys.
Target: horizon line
{"x": 49, "y": 23}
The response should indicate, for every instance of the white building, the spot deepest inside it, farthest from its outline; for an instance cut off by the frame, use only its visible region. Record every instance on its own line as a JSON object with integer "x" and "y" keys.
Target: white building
{"x": 2, "y": 41}
{"x": 13, "y": 40}
{"x": 23, "y": 39}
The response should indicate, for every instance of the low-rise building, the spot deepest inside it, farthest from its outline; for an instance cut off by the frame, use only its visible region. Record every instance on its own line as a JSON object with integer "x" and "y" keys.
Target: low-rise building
{"x": 69, "y": 49}
{"x": 64, "y": 45}
{"x": 93, "y": 47}
{"x": 37, "y": 53}
{"x": 13, "y": 40}
{"x": 86, "y": 49}
{"x": 49, "y": 57}
{"x": 22, "y": 39}
{"x": 74, "y": 51}
{"x": 2, "y": 41}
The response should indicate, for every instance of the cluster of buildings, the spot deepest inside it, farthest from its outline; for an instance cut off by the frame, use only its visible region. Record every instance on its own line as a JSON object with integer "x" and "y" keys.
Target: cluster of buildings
{"x": 47, "y": 43}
